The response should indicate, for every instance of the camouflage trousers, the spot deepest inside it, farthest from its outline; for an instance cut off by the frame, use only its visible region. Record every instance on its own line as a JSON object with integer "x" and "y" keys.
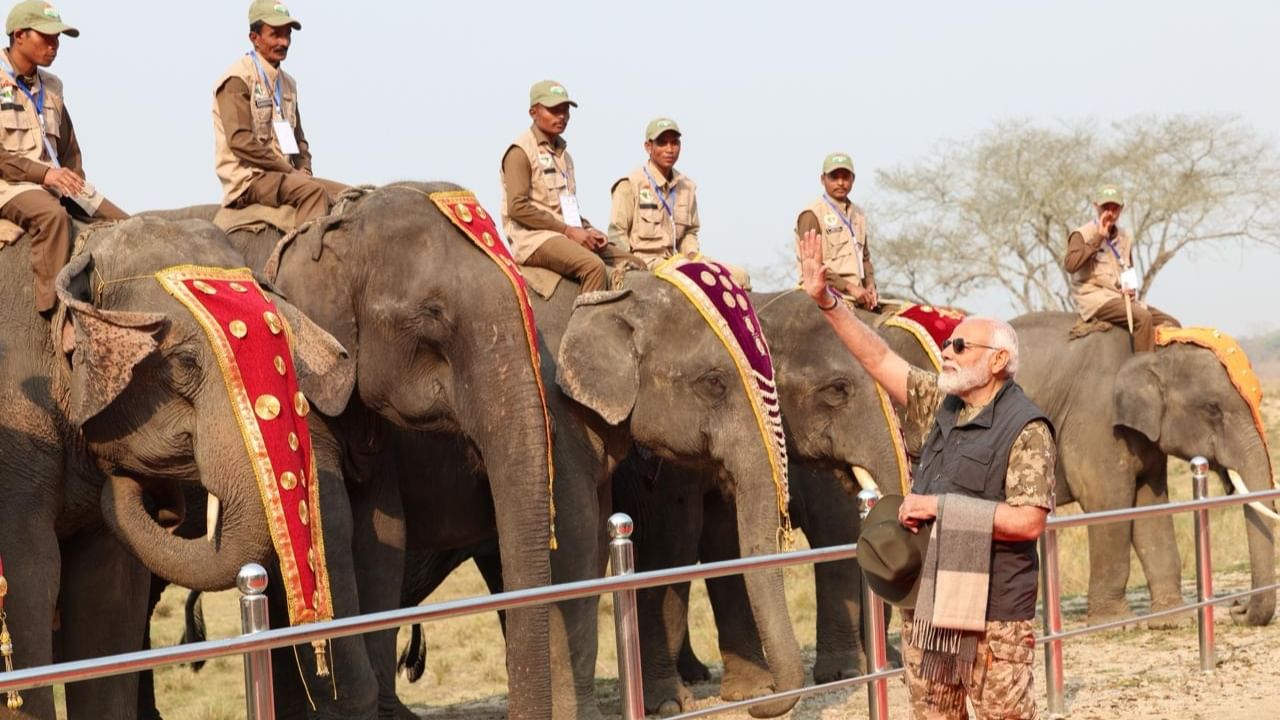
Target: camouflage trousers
{"x": 1001, "y": 686}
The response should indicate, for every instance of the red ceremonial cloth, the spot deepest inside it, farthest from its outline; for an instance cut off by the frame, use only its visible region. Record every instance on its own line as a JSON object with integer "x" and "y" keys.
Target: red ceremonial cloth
{"x": 930, "y": 325}
{"x": 253, "y": 346}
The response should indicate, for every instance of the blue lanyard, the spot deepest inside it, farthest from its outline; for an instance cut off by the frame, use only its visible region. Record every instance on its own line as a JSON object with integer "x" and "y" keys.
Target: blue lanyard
{"x": 847, "y": 223}
{"x": 668, "y": 200}
{"x": 279, "y": 98}
{"x": 37, "y": 101}
{"x": 1114, "y": 250}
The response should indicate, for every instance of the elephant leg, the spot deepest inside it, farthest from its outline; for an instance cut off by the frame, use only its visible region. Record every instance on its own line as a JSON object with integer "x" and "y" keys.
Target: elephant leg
{"x": 32, "y": 567}
{"x": 668, "y": 524}
{"x": 378, "y": 541}
{"x": 692, "y": 670}
{"x": 1103, "y": 489}
{"x": 1157, "y": 548}
{"x": 746, "y": 672}
{"x": 489, "y": 565}
{"x": 147, "y": 709}
{"x": 103, "y": 609}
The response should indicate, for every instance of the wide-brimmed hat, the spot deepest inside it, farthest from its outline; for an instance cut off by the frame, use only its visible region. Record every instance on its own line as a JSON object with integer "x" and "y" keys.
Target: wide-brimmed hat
{"x": 890, "y": 555}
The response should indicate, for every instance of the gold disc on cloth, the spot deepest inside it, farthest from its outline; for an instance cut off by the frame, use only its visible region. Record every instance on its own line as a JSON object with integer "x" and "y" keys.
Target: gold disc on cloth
{"x": 311, "y": 559}
{"x": 204, "y": 287}
{"x": 288, "y": 480}
{"x": 293, "y": 441}
{"x": 239, "y": 287}
{"x": 280, "y": 366}
{"x": 300, "y": 404}
{"x": 463, "y": 212}
{"x": 267, "y": 407}
{"x": 315, "y": 598}
{"x": 273, "y": 322}
{"x": 488, "y": 239}
{"x": 707, "y": 278}
{"x": 4, "y": 586}
{"x": 238, "y": 328}
{"x": 303, "y": 515}
{"x": 480, "y": 213}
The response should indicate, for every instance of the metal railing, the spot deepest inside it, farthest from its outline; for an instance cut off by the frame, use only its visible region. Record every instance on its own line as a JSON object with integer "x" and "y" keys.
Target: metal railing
{"x": 256, "y": 642}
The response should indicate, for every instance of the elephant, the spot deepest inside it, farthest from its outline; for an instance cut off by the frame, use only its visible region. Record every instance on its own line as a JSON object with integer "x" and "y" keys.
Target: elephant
{"x": 107, "y": 417}
{"x": 636, "y": 368}
{"x": 441, "y": 362}
{"x": 1119, "y": 416}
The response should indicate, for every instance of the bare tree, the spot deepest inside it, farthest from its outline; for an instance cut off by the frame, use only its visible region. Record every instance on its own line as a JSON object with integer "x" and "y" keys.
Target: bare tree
{"x": 995, "y": 211}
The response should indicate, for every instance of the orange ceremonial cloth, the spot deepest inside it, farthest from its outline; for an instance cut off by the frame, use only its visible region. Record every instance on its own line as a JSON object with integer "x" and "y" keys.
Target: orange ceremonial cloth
{"x": 1233, "y": 359}
{"x": 930, "y": 325}
{"x": 253, "y": 346}
{"x": 462, "y": 208}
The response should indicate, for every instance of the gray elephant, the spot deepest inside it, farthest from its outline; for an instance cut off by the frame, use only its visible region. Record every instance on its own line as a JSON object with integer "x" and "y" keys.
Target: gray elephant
{"x": 436, "y": 334}
{"x": 113, "y": 432}
{"x": 1119, "y": 416}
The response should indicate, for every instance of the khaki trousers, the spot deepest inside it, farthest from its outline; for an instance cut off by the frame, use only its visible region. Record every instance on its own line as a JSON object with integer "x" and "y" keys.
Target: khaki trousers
{"x": 44, "y": 218}
{"x": 1145, "y": 321}
{"x": 569, "y": 259}
{"x": 1001, "y": 683}
{"x": 311, "y": 196}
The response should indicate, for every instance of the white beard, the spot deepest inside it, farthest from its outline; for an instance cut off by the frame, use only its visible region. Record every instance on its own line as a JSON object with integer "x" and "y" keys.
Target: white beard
{"x": 962, "y": 379}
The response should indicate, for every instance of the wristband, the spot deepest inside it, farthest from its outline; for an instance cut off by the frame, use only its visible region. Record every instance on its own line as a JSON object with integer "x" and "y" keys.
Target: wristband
{"x": 834, "y": 303}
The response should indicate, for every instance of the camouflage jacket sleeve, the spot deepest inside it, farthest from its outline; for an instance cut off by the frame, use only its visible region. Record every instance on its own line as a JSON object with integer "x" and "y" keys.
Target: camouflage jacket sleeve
{"x": 923, "y": 399}
{"x": 1030, "y": 479}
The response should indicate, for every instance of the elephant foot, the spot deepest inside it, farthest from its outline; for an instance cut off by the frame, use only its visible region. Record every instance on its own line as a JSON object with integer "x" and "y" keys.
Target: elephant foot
{"x": 666, "y": 697}
{"x": 744, "y": 680}
{"x": 1170, "y": 622}
{"x": 1109, "y": 612}
{"x": 832, "y": 666}
{"x": 1260, "y": 610}
{"x": 691, "y": 669}
{"x": 404, "y": 713}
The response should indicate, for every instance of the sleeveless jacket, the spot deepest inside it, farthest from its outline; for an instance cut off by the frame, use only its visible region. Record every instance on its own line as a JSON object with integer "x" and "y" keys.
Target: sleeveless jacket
{"x": 972, "y": 460}
{"x": 841, "y": 250}
{"x": 655, "y": 234}
{"x": 234, "y": 175}
{"x": 20, "y": 126}
{"x": 552, "y": 175}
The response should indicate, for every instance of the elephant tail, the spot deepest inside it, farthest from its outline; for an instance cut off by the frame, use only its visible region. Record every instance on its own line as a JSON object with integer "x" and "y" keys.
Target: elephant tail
{"x": 194, "y": 630}
{"x": 413, "y": 659}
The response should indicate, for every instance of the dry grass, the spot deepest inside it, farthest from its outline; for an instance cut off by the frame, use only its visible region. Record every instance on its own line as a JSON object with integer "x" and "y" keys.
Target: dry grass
{"x": 465, "y": 655}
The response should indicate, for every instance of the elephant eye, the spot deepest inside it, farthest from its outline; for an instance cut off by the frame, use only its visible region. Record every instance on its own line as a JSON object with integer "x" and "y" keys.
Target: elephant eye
{"x": 184, "y": 372}
{"x": 836, "y": 392}
{"x": 712, "y": 386}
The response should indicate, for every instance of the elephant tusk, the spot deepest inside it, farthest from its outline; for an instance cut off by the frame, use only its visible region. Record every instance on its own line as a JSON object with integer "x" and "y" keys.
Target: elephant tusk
{"x": 864, "y": 478}
{"x": 213, "y": 512}
{"x": 1238, "y": 483}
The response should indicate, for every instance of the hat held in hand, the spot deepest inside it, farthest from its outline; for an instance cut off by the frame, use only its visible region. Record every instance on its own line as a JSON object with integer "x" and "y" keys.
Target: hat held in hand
{"x": 890, "y": 555}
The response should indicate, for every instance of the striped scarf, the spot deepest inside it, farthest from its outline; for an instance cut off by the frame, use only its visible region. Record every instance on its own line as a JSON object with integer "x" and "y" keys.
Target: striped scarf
{"x": 951, "y": 612}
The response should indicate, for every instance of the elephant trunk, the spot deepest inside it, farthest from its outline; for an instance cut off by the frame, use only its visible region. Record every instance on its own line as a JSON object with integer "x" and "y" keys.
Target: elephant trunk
{"x": 1256, "y": 472}
{"x": 758, "y": 524}
{"x": 504, "y": 415}
{"x": 197, "y": 564}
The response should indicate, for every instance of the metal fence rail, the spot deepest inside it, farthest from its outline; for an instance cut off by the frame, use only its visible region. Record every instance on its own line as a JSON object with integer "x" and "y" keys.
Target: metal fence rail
{"x": 623, "y": 584}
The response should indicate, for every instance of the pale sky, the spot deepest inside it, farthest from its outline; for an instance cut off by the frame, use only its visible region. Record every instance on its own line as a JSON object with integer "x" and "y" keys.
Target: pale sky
{"x": 394, "y": 90}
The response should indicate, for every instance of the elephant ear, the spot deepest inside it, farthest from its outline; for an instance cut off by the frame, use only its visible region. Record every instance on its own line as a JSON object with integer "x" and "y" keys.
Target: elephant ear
{"x": 326, "y": 371}
{"x": 1138, "y": 398}
{"x": 597, "y": 364}
{"x": 108, "y": 344}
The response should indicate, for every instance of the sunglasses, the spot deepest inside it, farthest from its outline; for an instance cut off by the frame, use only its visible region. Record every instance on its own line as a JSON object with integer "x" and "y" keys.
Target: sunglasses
{"x": 960, "y": 344}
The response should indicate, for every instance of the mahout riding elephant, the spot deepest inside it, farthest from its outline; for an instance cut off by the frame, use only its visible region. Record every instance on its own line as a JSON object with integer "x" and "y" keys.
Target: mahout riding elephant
{"x": 436, "y": 332}
{"x": 107, "y": 417}
{"x": 1119, "y": 416}
{"x": 642, "y": 368}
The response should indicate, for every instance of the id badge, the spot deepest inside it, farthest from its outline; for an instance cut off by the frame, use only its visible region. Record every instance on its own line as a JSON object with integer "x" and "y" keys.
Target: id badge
{"x": 284, "y": 135}
{"x": 1129, "y": 279}
{"x": 569, "y": 206}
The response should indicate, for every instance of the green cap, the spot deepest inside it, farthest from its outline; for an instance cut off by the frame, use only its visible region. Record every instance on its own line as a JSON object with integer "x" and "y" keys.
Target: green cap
{"x": 272, "y": 13}
{"x": 1108, "y": 194}
{"x": 890, "y": 555}
{"x": 659, "y": 126}
{"x": 39, "y": 16}
{"x": 549, "y": 93}
{"x": 836, "y": 161}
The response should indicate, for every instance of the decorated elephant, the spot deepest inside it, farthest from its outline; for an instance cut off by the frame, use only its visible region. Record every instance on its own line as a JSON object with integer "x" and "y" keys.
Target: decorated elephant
{"x": 116, "y": 406}
{"x": 408, "y": 278}
{"x": 1119, "y": 415}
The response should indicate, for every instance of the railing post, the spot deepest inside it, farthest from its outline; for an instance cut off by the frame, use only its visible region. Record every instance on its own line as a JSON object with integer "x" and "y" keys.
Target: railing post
{"x": 258, "y": 697}
{"x": 874, "y": 629}
{"x": 1051, "y": 590}
{"x": 622, "y": 561}
{"x": 1204, "y": 564}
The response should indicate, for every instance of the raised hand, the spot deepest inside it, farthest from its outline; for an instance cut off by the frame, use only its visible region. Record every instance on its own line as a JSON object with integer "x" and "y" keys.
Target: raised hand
{"x": 812, "y": 269}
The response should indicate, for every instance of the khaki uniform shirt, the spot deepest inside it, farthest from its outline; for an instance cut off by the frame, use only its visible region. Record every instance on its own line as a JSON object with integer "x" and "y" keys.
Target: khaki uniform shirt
{"x": 845, "y": 253}
{"x": 244, "y": 138}
{"x": 535, "y": 172}
{"x": 1030, "y": 477}
{"x": 24, "y": 160}
{"x": 641, "y": 222}
{"x": 1095, "y": 267}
